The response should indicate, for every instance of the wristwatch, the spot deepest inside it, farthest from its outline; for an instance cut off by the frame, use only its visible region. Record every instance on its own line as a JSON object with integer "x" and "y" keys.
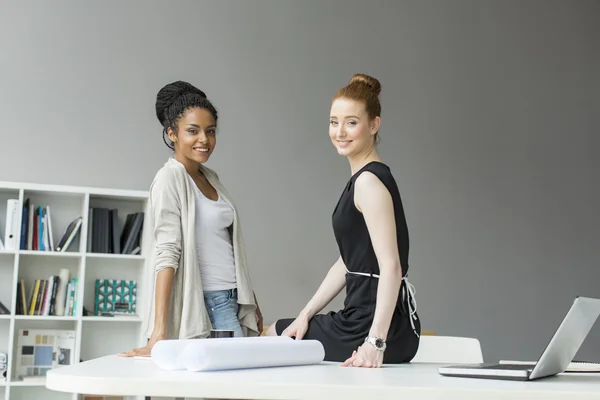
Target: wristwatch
{"x": 378, "y": 343}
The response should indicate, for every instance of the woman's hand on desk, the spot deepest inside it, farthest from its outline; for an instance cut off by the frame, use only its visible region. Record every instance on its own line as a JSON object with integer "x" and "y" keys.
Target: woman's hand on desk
{"x": 367, "y": 356}
{"x": 142, "y": 351}
{"x": 297, "y": 329}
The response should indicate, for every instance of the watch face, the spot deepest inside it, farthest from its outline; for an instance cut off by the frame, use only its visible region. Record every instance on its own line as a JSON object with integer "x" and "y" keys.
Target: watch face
{"x": 379, "y": 343}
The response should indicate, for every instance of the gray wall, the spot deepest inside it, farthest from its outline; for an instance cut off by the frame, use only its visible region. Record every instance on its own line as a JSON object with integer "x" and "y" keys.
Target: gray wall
{"x": 490, "y": 125}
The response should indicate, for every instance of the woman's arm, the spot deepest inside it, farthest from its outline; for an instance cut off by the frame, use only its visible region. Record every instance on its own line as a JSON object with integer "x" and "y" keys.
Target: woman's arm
{"x": 332, "y": 285}
{"x": 166, "y": 210}
{"x": 373, "y": 199}
{"x": 164, "y": 282}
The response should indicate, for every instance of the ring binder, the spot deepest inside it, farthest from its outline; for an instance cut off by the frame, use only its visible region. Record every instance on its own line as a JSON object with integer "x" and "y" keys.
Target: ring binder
{"x": 12, "y": 225}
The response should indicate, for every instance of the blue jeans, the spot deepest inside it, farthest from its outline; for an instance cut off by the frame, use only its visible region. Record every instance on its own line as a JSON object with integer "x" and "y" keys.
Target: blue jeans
{"x": 222, "y": 307}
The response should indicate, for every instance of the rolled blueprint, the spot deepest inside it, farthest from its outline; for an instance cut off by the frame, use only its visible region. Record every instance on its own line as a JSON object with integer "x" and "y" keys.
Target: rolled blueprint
{"x": 167, "y": 354}
{"x": 226, "y": 354}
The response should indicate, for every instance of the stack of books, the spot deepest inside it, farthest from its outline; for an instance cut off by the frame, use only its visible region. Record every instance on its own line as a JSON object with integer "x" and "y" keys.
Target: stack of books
{"x": 55, "y": 295}
{"x": 36, "y": 228}
{"x": 103, "y": 234}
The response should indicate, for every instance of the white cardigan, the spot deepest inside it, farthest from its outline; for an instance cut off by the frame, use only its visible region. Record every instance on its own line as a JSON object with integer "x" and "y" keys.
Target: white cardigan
{"x": 171, "y": 243}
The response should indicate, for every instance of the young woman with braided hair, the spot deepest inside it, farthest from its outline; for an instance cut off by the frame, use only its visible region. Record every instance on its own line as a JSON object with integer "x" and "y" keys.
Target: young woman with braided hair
{"x": 197, "y": 256}
{"x": 378, "y": 323}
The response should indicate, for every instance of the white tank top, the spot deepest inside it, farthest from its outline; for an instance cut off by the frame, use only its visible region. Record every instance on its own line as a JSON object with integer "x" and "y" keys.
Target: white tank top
{"x": 213, "y": 242}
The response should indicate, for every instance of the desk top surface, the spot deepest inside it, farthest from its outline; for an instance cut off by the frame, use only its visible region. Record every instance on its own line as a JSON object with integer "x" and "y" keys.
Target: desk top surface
{"x": 112, "y": 375}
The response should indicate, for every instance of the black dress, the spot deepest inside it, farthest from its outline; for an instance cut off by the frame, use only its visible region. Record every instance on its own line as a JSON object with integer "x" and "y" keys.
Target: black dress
{"x": 344, "y": 331}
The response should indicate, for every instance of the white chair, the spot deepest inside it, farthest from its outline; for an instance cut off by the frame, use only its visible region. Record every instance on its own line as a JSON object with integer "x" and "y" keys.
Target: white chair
{"x": 448, "y": 349}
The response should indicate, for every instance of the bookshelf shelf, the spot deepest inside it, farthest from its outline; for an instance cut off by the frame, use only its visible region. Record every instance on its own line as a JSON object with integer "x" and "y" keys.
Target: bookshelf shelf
{"x": 44, "y": 318}
{"x": 41, "y": 382}
{"x": 116, "y": 256}
{"x": 94, "y": 225}
{"x": 38, "y": 253}
{"x": 112, "y": 319}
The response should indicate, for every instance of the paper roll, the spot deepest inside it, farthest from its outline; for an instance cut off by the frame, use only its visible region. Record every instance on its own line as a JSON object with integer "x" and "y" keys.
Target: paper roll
{"x": 225, "y": 354}
{"x": 167, "y": 354}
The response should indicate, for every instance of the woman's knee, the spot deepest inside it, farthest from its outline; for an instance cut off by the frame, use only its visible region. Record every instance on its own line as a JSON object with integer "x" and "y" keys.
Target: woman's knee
{"x": 271, "y": 330}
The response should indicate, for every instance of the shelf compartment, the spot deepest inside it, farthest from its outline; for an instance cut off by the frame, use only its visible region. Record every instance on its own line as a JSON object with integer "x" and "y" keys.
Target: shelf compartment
{"x": 123, "y": 206}
{"x": 117, "y": 269}
{"x": 98, "y": 340}
{"x": 64, "y": 208}
{"x": 30, "y": 324}
{"x": 32, "y": 267}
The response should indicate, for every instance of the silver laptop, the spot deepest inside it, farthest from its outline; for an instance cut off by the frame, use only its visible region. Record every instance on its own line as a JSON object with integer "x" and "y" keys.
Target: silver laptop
{"x": 556, "y": 357}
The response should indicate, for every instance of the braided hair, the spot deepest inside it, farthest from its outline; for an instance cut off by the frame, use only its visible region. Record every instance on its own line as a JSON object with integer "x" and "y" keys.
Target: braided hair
{"x": 173, "y": 100}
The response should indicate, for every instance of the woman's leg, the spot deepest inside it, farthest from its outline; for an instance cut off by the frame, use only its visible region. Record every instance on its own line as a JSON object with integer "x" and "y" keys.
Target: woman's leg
{"x": 271, "y": 331}
{"x": 277, "y": 327}
{"x": 222, "y": 307}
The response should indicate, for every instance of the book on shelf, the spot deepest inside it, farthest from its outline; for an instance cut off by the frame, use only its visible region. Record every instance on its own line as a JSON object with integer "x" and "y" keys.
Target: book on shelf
{"x": 55, "y": 295}
{"x": 40, "y": 350}
{"x": 12, "y": 225}
{"x": 36, "y": 229}
{"x": 69, "y": 235}
{"x": 3, "y": 309}
{"x": 105, "y": 235}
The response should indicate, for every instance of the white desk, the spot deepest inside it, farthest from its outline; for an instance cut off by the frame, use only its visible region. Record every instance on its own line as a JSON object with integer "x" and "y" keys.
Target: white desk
{"x": 114, "y": 375}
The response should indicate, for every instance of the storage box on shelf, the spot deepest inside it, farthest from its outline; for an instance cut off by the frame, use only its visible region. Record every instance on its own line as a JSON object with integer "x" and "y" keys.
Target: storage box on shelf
{"x": 73, "y": 261}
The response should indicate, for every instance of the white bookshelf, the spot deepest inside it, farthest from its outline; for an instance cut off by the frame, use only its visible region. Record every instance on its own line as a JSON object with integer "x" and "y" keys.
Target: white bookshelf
{"x": 96, "y": 336}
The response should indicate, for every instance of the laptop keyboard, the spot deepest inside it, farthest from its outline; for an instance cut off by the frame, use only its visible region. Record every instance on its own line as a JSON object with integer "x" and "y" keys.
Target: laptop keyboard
{"x": 515, "y": 367}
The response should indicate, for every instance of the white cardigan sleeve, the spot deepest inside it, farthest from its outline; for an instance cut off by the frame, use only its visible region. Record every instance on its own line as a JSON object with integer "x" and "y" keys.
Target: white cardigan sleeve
{"x": 165, "y": 205}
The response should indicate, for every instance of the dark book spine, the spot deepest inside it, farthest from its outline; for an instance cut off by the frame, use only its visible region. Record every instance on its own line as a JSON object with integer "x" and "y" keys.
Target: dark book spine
{"x": 96, "y": 231}
{"x": 116, "y": 245}
{"x": 3, "y": 309}
{"x": 53, "y": 298}
{"x": 135, "y": 229}
{"x": 125, "y": 232}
